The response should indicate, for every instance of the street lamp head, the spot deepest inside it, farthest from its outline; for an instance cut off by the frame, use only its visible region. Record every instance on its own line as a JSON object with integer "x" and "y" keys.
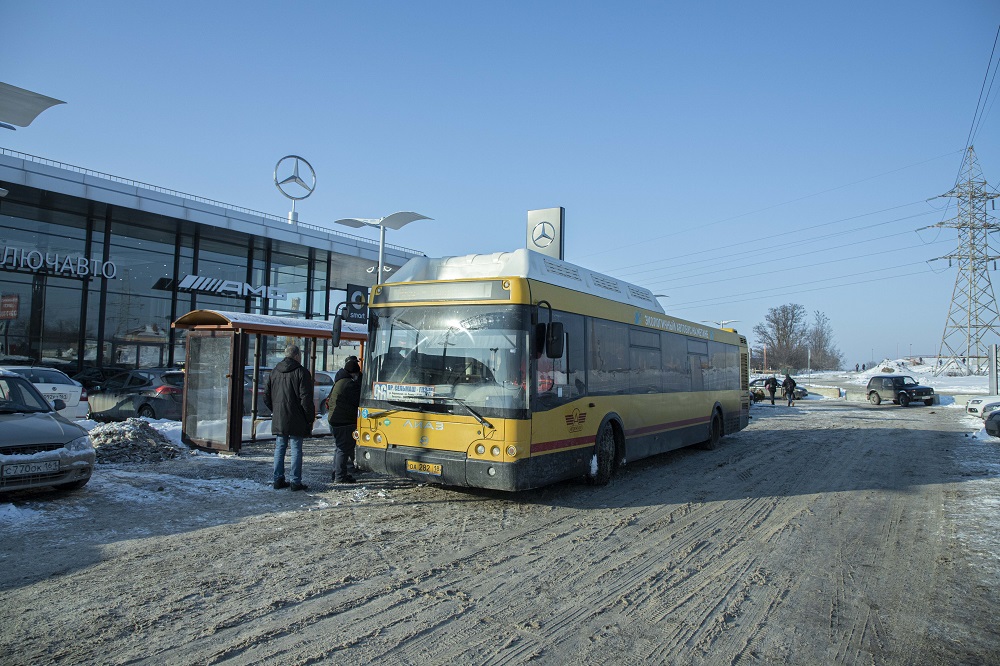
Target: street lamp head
{"x": 395, "y": 221}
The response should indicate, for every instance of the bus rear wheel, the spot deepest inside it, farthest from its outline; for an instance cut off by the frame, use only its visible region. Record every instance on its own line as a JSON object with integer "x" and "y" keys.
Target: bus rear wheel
{"x": 602, "y": 467}
{"x": 715, "y": 434}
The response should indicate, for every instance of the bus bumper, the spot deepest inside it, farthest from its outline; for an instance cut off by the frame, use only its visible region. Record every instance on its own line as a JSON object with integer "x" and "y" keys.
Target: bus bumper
{"x": 456, "y": 469}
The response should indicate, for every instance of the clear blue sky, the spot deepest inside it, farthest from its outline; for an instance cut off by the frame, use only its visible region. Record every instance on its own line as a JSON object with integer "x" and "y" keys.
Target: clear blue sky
{"x": 705, "y": 150}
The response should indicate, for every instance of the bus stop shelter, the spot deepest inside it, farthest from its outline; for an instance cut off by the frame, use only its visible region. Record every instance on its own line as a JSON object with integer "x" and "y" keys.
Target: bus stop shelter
{"x": 220, "y": 406}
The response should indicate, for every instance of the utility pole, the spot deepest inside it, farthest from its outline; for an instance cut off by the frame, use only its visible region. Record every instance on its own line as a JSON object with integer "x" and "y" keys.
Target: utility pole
{"x": 972, "y": 315}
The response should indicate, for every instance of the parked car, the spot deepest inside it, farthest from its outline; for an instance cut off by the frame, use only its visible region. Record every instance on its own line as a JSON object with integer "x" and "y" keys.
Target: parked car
{"x": 154, "y": 393}
{"x": 56, "y": 385}
{"x": 980, "y": 405}
{"x": 992, "y": 423}
{"x": 91, "y": 377}
{"x": 757, "y": 386}
{"x": 322, "y": 385}
{"x": 899, "y": 389}
{"x": 38, "y": 446}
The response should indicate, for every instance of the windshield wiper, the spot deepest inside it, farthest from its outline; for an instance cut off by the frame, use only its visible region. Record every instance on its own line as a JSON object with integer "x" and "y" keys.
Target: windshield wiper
{"x": 403, "y": 404}
{"x": 483, "y": 422}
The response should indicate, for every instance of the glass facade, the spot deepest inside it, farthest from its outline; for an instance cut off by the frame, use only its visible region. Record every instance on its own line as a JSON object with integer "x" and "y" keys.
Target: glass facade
{"x": 85, "y": 283}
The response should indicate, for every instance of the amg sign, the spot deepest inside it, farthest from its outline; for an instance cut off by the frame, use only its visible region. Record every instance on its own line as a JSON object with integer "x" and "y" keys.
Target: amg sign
{"x": 229, "y": 288}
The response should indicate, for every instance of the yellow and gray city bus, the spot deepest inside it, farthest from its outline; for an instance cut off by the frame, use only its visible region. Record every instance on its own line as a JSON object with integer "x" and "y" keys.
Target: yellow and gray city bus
{"x": 515, "y": 370}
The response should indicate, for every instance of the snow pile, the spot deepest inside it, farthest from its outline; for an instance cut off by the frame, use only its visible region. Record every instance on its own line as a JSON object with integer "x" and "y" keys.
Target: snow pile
{"x": 135, "y": 440}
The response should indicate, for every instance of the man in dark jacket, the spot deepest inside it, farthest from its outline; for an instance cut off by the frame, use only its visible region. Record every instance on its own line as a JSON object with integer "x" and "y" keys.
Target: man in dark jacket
{"x": 344, "y": 373}
{"x": 771, "y": 384}
{"x": 343, "y": 418}
{"x": 789, "y": 386}
{"x": 289, "y": 396}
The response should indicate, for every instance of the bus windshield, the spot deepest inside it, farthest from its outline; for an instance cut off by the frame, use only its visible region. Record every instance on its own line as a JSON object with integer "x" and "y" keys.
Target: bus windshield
{"x": 441, "y": 357}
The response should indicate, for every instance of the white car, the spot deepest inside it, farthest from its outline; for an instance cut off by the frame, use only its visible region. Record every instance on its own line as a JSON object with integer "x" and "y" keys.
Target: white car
{"x": 982, "y": 405}
{"x": 55, "y": 384}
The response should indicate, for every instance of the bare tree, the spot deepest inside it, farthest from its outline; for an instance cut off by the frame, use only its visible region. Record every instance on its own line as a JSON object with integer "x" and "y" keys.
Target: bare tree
{"x": 783, "y": 332}
{"x": 825, "y": 355}
{"x": 792, "y": 344}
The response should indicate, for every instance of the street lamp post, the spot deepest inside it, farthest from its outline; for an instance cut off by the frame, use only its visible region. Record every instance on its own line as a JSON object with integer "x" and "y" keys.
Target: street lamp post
{"x": 394, "y": 221}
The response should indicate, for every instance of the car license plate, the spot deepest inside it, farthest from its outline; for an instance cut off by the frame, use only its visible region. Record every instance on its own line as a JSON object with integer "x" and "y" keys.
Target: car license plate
{"x": 423, "y": 468}
{"x": 24, "y": 469}
{"x": 56, "y": 396}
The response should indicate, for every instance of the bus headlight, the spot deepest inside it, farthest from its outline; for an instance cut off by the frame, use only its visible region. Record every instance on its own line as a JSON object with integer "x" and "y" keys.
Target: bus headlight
{"x": 512, "y": 451}
{"x": 480, "y": 449}
{"x": 356, "y": 435}
{"x": 378, "y": 438}
{"x": 366, "y": 437}
{"x": 495, "y": 451}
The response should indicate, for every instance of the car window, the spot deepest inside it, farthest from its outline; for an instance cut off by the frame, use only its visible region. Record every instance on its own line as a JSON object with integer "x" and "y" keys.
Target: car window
{"x": 49, "y": 376}
{"x": 116, "y": 382}
{"x": 173, "y": 378}
{"x": 138, "y": 379}
{"x": 17, "y": 395}
{"x": 323, "y": 379}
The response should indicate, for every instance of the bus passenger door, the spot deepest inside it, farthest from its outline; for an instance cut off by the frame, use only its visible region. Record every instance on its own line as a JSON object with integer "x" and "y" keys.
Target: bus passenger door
{"x": 697, "y": 379}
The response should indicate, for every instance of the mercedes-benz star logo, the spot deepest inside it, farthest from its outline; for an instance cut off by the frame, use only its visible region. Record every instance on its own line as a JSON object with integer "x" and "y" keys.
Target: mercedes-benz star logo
{"x": 543, "y": 234}
{"x": 294, "y": 183}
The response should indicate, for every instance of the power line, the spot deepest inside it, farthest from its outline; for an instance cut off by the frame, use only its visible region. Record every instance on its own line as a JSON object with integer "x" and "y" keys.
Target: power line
{"x": 979, "y": 102}
{"x": 880, "y": 253}
{"x": 771, "y": 207}
{"x": 715, "y": 249}
{"x": 721, "y": 300}
{"x": 772, "y": 260}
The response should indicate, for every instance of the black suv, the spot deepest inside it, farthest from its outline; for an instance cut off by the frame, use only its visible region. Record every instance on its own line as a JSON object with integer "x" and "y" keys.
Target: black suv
{"x": 900, "y": 389}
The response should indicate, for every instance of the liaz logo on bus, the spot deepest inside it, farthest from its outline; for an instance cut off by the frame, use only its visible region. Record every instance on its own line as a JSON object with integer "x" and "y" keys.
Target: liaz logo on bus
{"x": 423, "y": 425}
{"x": 575, "y": 420}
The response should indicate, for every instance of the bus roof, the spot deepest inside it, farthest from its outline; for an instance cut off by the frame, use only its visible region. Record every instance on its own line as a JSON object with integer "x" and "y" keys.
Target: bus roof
{"x": 527, "y": 264}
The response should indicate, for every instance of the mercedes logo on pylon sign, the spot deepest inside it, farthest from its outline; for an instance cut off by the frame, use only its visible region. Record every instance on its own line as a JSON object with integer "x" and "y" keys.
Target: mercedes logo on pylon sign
{"x": 543, "y": 234}
{"x": 293, "y": 185}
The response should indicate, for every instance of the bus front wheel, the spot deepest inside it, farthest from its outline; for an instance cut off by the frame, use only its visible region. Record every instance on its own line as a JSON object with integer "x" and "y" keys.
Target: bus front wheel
{"x": 603, "y": 464}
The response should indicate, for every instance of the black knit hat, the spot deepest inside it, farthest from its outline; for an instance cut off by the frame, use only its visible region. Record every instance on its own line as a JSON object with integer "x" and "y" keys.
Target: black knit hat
{"x": 352, "y": 367}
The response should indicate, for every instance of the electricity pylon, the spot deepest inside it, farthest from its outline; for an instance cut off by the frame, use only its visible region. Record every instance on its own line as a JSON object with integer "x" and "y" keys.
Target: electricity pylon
{"x": 973, "y": 320}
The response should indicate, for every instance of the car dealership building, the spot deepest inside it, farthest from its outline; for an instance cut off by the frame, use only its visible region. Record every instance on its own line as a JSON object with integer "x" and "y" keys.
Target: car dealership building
{"x": 95, "y": 268}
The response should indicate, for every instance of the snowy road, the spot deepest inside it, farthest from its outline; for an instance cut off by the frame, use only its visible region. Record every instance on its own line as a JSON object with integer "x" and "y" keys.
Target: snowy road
{"x": 826, "y": 533}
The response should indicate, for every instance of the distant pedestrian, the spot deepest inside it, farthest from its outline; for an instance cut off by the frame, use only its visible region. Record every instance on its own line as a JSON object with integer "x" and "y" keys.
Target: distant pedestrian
{"x": 789, "y": 386}
{"x": 289, "y": 396}
{"x": 862, "y": 367}
{"x": 771, "y": 384}
{"x": 343, "y": 419}
{"x": 855, "y": 367}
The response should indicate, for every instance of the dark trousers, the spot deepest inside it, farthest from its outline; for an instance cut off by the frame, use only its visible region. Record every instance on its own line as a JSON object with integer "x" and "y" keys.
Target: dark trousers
{"x": 343, "y": 437}
{"x": 772, "y": 396}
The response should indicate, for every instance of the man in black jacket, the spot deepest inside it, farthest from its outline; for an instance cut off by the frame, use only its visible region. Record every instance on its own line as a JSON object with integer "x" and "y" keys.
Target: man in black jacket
{"x": 343, "y": 373}
{"x": 771, "y": 384}
{"x": 289, "y": 396}
{"x": 343, "y": 418}
{"x": 789, "y": 386}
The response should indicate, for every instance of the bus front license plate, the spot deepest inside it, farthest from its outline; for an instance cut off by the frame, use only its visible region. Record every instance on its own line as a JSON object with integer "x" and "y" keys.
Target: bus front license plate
{"x": 423, "y": 468}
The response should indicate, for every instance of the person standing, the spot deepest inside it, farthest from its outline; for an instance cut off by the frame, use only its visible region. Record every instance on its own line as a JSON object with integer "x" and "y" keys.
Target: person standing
{"x": 789, "y": 386}
{"x": 344, "y": 372}
{"x": 343, "y": 418}
{"x": 771, "y": 384}
{"x": 289, "y": 396}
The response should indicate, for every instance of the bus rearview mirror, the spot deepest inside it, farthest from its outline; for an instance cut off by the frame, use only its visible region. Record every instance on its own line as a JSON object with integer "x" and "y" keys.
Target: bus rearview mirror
{"x": 554, "y": 340}
{"x": 336, "y": 330}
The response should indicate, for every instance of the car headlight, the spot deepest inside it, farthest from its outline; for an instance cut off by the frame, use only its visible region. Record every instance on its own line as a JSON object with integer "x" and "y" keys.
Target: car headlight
{"x": 80, "y": 444}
